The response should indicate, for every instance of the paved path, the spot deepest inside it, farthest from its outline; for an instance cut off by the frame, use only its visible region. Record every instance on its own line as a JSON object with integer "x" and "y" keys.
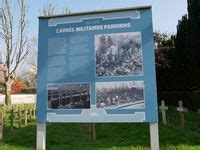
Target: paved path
{"x": 20, "y": 98}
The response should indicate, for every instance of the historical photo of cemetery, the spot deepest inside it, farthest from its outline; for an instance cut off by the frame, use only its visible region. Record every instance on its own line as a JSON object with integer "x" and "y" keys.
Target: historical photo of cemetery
{"x": 120, "y": 95}
{"x": 69, "y": 96}
{"x": 118, "y": 54}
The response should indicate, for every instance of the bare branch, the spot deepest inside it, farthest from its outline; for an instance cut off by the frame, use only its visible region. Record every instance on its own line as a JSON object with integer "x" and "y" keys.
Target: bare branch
{"x": 15, "y": 51}
{"x": 48, "y": 10}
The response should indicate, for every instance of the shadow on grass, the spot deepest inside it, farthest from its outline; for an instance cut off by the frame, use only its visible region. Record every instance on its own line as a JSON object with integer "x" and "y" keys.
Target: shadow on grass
{"x": 125, "y": 136}
{"x": 74, "y": 136}
{"x": 20, "y": 138}
{"x": 108, "y": 135}
{"x": 117, "y": 136}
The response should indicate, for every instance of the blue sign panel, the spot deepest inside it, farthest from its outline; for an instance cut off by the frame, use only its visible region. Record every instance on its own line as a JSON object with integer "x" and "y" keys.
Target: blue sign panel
{"x": 97, "y": 67}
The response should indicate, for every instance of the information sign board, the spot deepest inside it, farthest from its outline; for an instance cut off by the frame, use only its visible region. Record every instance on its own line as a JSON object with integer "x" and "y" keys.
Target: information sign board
{"x": 97, "y": 67}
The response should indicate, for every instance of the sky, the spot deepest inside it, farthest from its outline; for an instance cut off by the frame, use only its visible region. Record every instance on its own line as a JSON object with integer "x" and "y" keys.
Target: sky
{"x": 166, "y": 13}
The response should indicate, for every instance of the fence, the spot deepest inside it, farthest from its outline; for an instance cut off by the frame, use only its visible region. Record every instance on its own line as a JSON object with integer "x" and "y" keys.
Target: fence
{"x": 18, "y": 115}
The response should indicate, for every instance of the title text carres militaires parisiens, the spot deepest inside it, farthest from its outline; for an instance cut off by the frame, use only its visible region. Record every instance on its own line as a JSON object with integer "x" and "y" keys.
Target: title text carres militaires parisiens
{"x": 94, "y": 28}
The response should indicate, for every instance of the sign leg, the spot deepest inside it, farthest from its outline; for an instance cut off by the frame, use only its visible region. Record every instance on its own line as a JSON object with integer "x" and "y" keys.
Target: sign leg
{"x": 41, "y": 136}
{"x": 154, "y": 138}
{"x": 93, "y": 132}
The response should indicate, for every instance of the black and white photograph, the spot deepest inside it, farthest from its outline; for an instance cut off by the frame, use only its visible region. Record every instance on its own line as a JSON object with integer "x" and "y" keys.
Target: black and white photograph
{"x": 120, "y": 95}
{"x": 118, "y": 54}
{"x": 69, "y": 96}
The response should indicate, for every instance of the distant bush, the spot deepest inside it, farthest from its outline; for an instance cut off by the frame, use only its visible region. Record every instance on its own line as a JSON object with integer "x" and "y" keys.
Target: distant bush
{"x": 24, "y": 91}
{"x": 28, "y": 91}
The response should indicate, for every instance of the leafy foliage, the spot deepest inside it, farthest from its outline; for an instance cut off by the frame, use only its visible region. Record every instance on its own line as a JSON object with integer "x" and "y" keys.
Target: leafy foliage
{"x": 164, "y": 49}
{"x": 187, "y": 54}
{"x": 179, "y": 66}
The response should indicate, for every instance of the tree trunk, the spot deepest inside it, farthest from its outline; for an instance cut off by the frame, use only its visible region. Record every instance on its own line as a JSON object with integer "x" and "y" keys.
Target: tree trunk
{"x": 8, "y": 93}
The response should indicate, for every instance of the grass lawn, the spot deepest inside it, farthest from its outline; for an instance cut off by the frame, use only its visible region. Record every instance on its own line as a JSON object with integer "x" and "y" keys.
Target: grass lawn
{"x": 110, "y": 136}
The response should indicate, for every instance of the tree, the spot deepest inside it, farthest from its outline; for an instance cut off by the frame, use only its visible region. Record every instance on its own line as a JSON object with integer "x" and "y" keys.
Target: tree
{"x": 194, "y": 41}
{"x": 16, "y": 43}
{"x": 66, "y": 10}
{"x": 50, "y": 9}
{"x": 182, "y": 56}
{"x": 28, "y": 68}
{"x": 187, "y": 54}
{"x": 164, "y": 44}
{"x": 164, "y": 49}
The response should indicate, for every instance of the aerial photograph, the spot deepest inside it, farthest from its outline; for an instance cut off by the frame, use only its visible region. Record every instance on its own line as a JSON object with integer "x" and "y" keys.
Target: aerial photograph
{"x": 120, "y": 95}
{"x": 118, "y": 54}
{"x": 69, "y": 96}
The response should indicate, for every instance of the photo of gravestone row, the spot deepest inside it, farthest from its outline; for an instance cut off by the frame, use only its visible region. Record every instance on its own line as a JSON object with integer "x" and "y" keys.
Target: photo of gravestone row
{"x": 118, "y": 54}
{"x": 69, "y": 96}
{"x": 120, "y": 95}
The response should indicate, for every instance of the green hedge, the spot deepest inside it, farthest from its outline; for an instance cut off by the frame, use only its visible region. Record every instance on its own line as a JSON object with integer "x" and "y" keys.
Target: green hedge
{"x": 191, "y": 100}
{"x": 25, "y": 91}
